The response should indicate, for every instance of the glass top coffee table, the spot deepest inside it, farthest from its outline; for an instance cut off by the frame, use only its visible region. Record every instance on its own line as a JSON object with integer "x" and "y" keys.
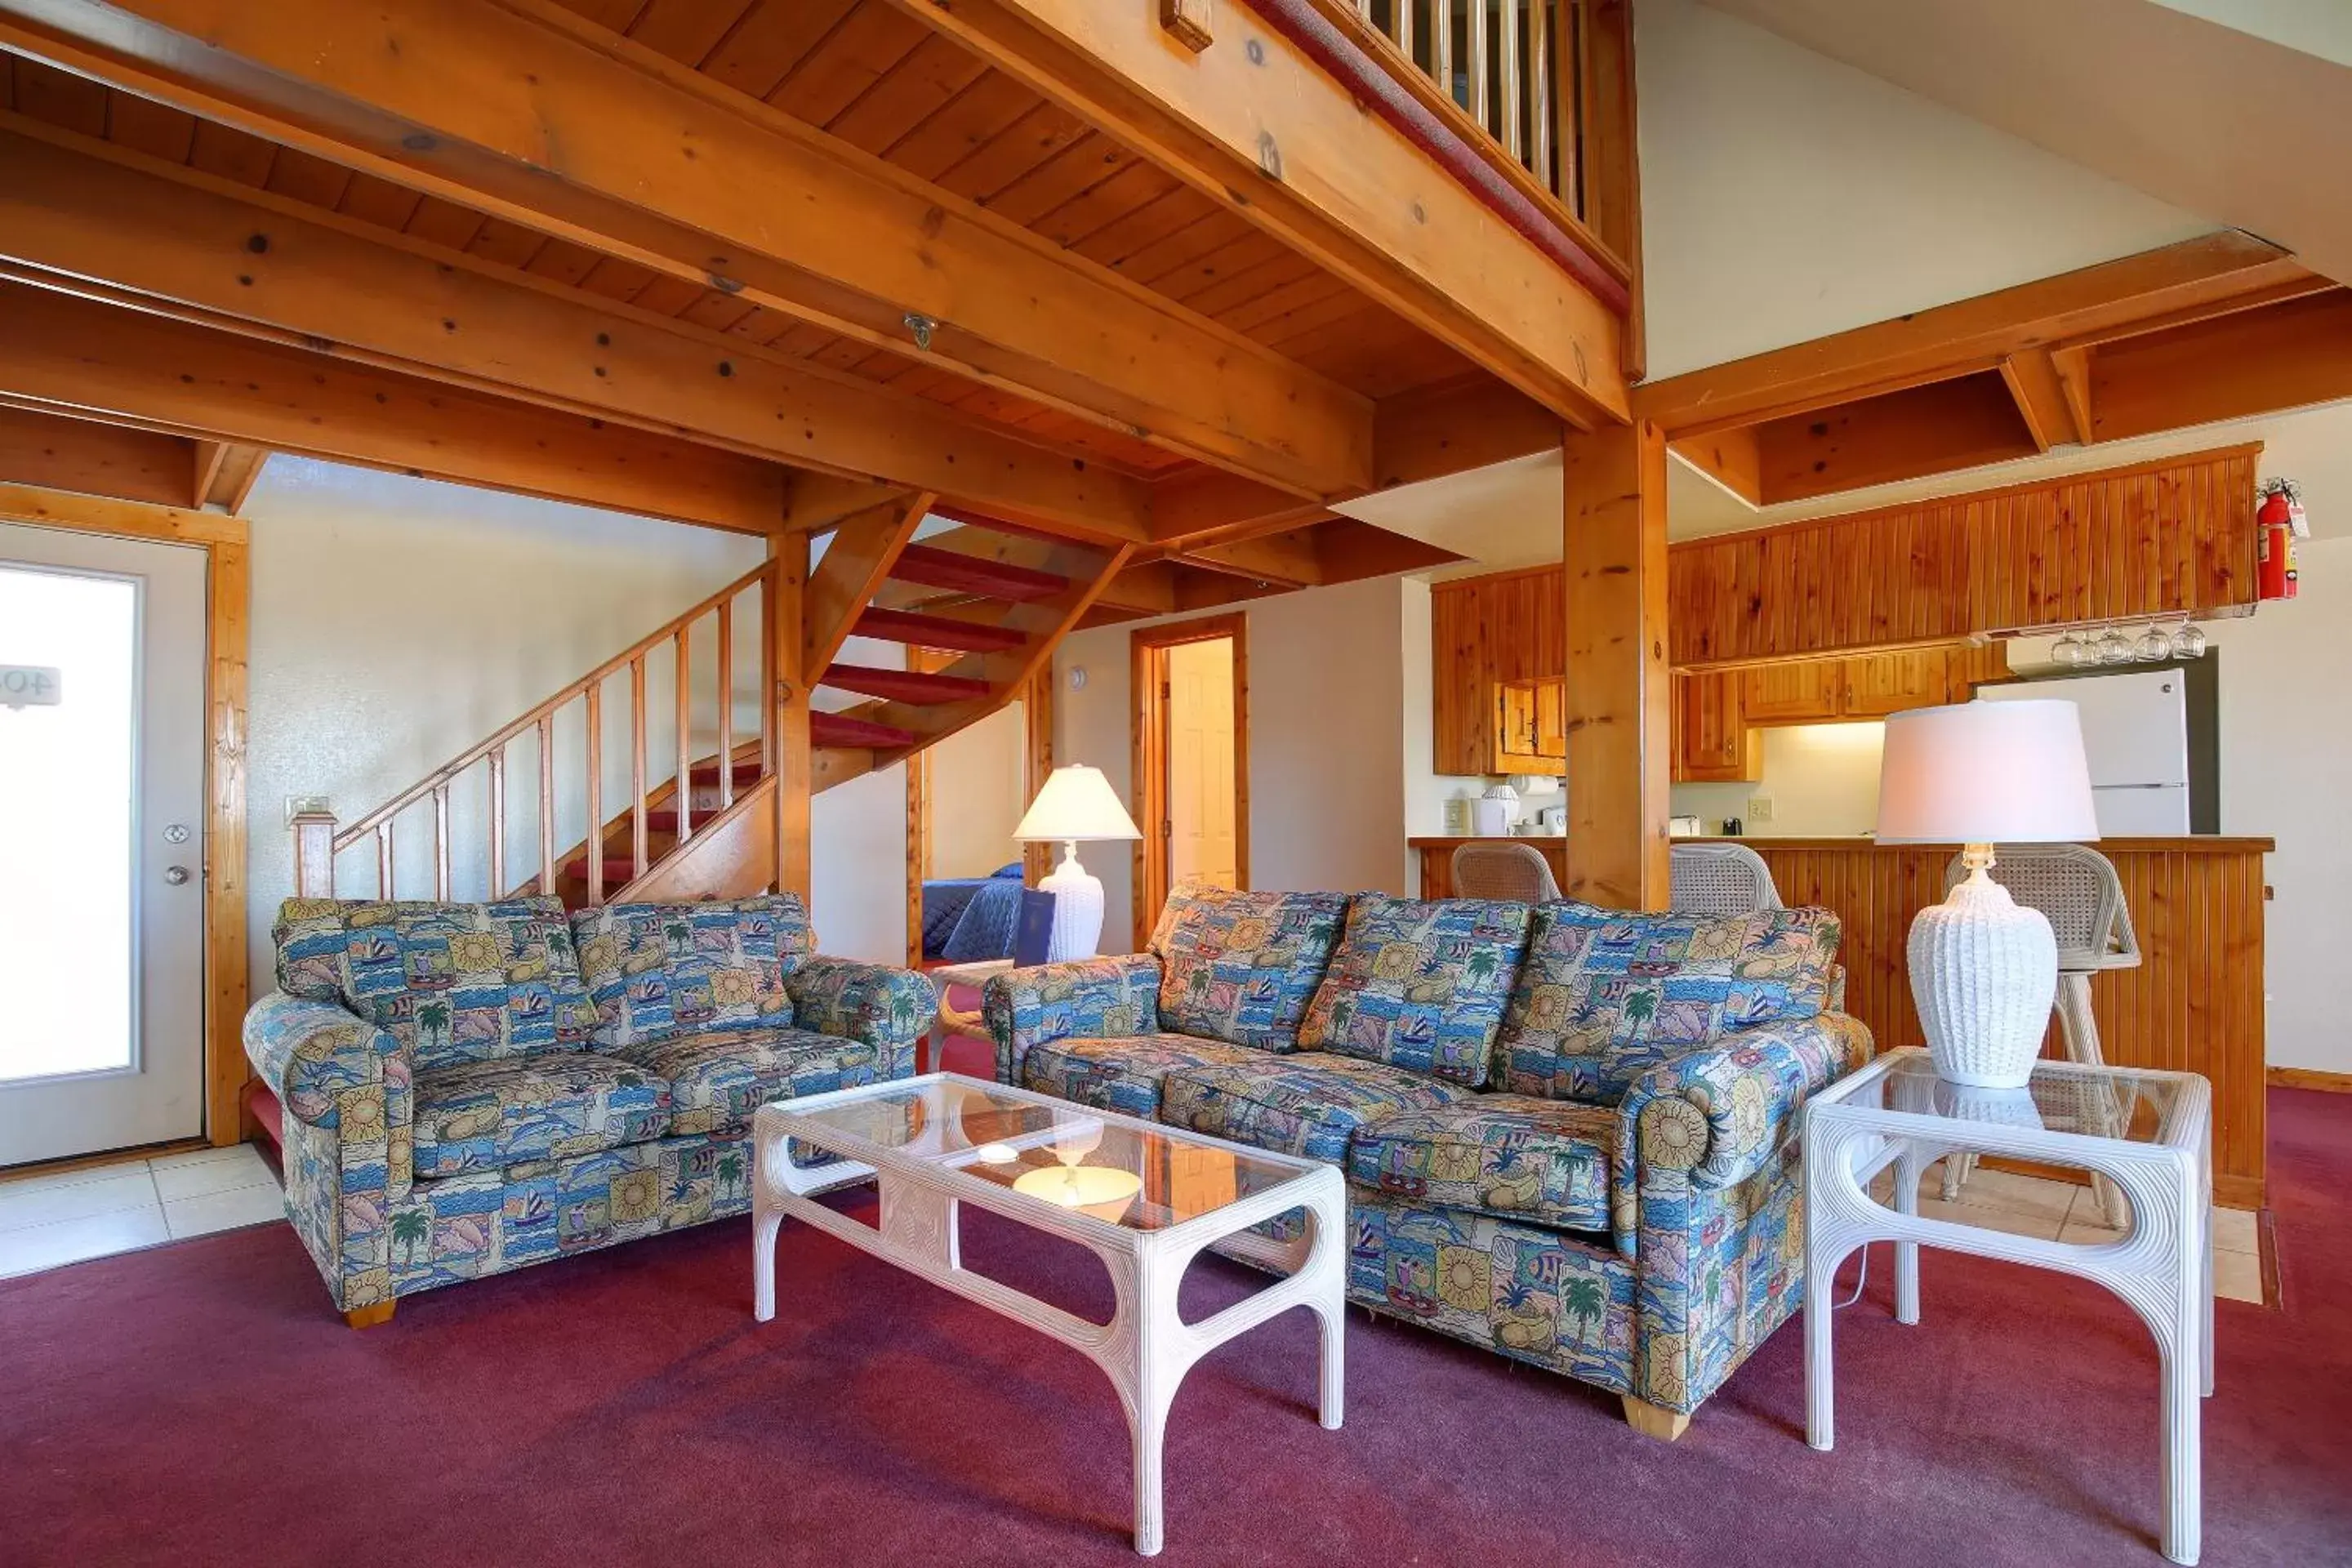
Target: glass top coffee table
{"x": 1142, "y": 1197}
{"x": 2150, "y": 1133}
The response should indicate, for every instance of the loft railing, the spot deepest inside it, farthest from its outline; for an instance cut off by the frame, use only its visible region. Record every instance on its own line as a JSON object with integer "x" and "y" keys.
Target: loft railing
{"x": 1499, "y": 61}
{"x": 569, "y": 775}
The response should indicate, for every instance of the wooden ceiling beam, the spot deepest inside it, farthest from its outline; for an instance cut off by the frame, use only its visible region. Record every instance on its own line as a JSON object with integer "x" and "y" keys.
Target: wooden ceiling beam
{"x": 1288, "y": 558}
{"x": 2291, "y": 355}
{"x": 94, "y": 458}
{"x": 76, "y": 355}
{"x": 1734, "y": 460}
{"x": 2042, "y": 398}
{"x": 1256, "y": 124}
{"x": 1935, "y": 428}
{"x": 541, "y": 117}
{"x": 247, "y": 259}
{"x": 2208, "y": 276}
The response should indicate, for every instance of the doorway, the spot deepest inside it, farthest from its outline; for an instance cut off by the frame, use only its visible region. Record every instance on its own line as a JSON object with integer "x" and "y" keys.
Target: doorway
{"x": 1192, "y": 759}
{"x": 102, "y": 817}
{"x": 964, "y": 796}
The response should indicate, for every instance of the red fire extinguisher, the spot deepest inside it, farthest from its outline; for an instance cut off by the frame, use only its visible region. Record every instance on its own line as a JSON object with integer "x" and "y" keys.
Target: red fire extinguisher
{"x": 2281, "y": 522}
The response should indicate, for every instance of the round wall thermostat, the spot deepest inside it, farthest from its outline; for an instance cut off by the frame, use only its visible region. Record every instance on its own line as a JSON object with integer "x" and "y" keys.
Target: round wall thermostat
{"x": 1077, "y": 677}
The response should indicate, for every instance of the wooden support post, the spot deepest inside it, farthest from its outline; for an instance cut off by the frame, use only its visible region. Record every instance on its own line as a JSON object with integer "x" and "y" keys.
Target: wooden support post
{"x": 314, "y": 855}
{"x": 1619, "y": 695}
{"x": 787, "y": 634}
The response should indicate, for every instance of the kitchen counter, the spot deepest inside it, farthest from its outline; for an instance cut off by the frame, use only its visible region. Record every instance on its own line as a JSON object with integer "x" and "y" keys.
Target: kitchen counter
{"x": 2194, "y": 1004}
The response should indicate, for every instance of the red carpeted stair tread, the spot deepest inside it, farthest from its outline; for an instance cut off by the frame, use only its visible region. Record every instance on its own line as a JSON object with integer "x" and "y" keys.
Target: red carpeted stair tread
{"x": 935, "y": 631}
{"x": 915, "y": 686}
{"x": 840, "y": 730}
{"x": 705, "y": 773}
{"x": 958, "y": 574}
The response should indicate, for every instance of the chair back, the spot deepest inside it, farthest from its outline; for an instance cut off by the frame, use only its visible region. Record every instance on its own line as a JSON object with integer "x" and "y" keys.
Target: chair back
{"x": 2076, "y": 890}
{"x": 1710, "y": 879}
{"x": 1514, "y": 873}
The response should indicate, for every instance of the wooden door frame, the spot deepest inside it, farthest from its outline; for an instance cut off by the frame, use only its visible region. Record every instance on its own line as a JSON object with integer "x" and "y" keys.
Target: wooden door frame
{"x": 1147, "y": 656}
{"x": 227, "y": 542}
{"x": 1037, "y": 699}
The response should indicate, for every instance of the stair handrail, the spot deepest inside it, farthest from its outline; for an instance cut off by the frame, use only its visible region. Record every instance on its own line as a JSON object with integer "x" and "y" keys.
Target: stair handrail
{"x": 317, "y": 831}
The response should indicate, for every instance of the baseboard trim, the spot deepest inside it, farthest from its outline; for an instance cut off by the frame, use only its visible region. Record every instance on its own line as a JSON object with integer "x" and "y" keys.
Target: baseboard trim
{"x": 2308, "y": 1077}
{"x": 2241, "y": 1192}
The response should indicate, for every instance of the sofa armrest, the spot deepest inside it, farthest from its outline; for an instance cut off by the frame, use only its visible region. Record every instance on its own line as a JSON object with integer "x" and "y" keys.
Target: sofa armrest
{"x": 311, "y": 1053}
{"x": 887, "y": 1008}
{"x": 1718, "y": 1113}
{"x": 1085, "y": 999}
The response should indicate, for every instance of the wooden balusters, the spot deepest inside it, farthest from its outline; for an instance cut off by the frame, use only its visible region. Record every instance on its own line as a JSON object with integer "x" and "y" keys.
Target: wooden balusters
{"x": 384, "y": 882}
{"x": 314, "y": 855}
{"x": 596, "y": 719}
{"x": 441, "y": 842}
{"x": 1510, "y": 106}
{"x": 496, "y": 826}
{"x": 682, "y": 789}
{"x": 1478, "y": 72}
{"x": 726, "y": 711}
{"x": 1540, "y": 104}
{"x": 636, "y": 767}
{"x": 547, "y": 805}
{"x": 1440, "y": 43}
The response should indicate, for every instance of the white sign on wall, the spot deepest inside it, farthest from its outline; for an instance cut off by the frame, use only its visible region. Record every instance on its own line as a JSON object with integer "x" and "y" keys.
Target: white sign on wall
{"x": 30, "y": 685}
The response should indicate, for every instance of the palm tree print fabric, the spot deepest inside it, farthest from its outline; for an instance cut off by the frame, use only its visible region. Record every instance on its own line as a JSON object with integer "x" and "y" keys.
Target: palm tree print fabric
{"x": 655, "y": 971}
{"x": 1241, "y": 967}
{"x": 1543, "y": 1162}
{"x": 1604, "y": 995}
{"x": 1531, "y": 1294}
{"x": 486, "y": 1116}
{"x": 1307, "y": 1105}
{"x": 452, "y": 983}
{"x": 1420, "y": 985}
{"x": 1085, "y": 999}
{"x": 889, "y": 1010}
{"x": 1123, "y": 1075}
{"x": 716, "y": 1082}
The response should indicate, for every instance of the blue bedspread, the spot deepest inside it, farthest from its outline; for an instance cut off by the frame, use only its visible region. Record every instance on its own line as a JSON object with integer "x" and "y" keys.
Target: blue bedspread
{"x": 968, "y": 918}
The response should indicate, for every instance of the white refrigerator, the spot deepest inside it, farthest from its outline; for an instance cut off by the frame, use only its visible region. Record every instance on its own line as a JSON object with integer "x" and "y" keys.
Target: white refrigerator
{"x": 2136, "y": 736}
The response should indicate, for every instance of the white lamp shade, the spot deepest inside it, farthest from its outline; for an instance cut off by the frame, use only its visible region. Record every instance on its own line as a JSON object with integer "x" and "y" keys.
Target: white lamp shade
{"x": 1986, "y": 772}
{"x": 1077, "y": 803}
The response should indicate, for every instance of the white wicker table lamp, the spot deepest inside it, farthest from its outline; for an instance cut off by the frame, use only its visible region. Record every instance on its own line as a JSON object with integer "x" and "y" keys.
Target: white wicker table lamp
{"x": 1077, "y": 805}
{"x": 1984, "y": 969}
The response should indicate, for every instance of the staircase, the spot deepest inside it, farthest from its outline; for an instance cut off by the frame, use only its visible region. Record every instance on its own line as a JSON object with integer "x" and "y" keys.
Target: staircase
{"x": 978, "y": 610}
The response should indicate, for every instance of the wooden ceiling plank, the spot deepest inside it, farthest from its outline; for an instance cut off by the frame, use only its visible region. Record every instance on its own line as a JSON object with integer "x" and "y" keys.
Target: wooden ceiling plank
{"x": 2032, "y": 377}
{"x": 1068, "y": 175}
{"x": 761, "y": 51}
{"x": 1352, "y": 191}
{"x": 469, "y": 100}
{"x": 1938, "y": 427}
{"x": 1734, "y": 460}
{"x": 60, "y": 98}
{"x": 1042, "y": 132}
{"x": 1120, "y": 240}
{"x": 155, "y": 129}
{"x": 231, "y": 153}
{"x": 76, "y": 353}
{"x": 379, "y": 201}
{"x": 856, "y": 55}
{"x": 1138, "y": 186}
{"x": 296, "y": 173}
{"x": 97, "y": 460}
{"x": 930, "y": 76}
{"x": 686, "y": 30}
{"x": 73, "y": 210}
{"x": 980, "y": 114}
{"x": 2291, "y": 355}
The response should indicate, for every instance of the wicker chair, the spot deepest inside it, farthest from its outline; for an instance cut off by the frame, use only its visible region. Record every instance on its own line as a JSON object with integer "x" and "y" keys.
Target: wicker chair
{"x": 1516, "y": 873}
{"x": 1720, "y": 880}
{"x": 2076, "y": 890}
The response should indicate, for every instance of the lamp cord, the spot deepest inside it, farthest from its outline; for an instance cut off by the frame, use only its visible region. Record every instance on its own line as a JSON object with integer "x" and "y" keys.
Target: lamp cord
{"x": 1861, "y": 1281}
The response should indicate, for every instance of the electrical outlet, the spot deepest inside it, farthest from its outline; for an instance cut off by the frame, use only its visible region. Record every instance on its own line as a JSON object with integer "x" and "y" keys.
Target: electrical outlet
{"x": 296, "y": 804}
{"x": 1759, "y": 808}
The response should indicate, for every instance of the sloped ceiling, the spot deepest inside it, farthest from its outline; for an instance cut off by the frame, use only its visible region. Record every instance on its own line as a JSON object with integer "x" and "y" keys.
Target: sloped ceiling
{"x": 2249, "y": 124}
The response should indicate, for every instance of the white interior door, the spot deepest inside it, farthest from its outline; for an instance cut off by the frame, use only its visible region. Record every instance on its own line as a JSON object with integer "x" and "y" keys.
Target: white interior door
{"x": 1201, "y": 787}
{"x": 101, "y": 842}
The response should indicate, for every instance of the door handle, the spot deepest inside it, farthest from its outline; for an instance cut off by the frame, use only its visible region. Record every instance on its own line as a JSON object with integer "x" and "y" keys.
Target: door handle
{"x": 176, "y": 875}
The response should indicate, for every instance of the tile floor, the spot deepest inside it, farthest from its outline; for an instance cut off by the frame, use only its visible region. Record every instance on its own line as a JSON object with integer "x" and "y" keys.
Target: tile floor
{"x": 2062, "y": 1211}
{"x": 45, "y": 1221}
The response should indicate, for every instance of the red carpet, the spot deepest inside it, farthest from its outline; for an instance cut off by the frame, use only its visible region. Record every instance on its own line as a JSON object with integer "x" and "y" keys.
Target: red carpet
{"x": 201, "y": 1405}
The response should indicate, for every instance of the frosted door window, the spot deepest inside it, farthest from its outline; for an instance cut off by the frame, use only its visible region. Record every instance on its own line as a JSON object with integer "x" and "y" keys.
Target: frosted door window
{"x": 68, "y": 775}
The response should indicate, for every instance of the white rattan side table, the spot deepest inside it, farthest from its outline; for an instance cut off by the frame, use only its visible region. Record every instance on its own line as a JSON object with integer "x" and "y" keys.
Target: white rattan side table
{"x": 1142, "y": 1197}
{"x": 2150, "y": 1133}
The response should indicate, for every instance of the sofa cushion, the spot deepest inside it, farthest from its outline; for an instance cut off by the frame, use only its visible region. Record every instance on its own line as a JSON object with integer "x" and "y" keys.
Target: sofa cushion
{"x": 1307, "y": 1104}
{"x": 1603, "y": 995}
{"x": 452, "y": 983}
{"x": 718, "y": 1079}
{"x": 1239, "y": 967}
{"x": 1419, "y": 984}
{"x": 658, "y": 971}
{"x": 1122, "y": 1075}
{"x": 486, "y": 1116}
{"x": 1543, "y": 1162}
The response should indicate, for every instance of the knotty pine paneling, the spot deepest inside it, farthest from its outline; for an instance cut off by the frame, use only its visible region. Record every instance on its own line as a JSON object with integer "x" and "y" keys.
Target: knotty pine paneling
{"x": 2193, "y": 1005}
{"x": 1510, "y": 626}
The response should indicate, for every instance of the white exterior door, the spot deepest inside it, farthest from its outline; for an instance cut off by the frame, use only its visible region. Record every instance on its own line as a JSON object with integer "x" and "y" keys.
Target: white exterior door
{"x": 1201, "y": 780}
{"x": 101, "y": 842}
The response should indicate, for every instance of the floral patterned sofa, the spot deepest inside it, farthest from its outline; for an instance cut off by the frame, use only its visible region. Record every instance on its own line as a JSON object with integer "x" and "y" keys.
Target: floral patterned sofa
{"x": 1569, "y": 1133}
{"x": 473, "y": 1087}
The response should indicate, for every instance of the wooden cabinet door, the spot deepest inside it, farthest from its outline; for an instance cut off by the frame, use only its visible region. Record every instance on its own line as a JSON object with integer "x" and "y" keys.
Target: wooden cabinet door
{"x": 1800, "y": 691}
{"x": 1530, "y": 727}
{"x": 1887, "y": 683}
{"x": 1714, "y": 743}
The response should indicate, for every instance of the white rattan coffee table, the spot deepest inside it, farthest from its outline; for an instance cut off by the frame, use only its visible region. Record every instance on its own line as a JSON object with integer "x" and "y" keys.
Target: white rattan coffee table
{"x": 1142, "y": 1197}
{"x": 2150, "y": 1133}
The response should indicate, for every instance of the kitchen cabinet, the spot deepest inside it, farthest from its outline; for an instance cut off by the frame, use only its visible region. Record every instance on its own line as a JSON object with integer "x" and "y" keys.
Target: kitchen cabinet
{"x": 1866, "y": 686}
{"x": 1530, "y": 727}
{"x": 1714, "y": 741}
{"x": 1796, "y": 691}
{"x": 1891, "y": 682}
{"x": 1485, "y": 632}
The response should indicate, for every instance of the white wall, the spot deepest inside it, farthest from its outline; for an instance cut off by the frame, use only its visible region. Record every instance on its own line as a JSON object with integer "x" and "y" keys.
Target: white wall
{"x": 857, "y": 868}
{"x": 397, "y": 621}
{"x": 1822, "y": 779}
{"x": 1785, "y": 195}
{"x": 1326, "y": 680}
{"x": 979, "y": 779}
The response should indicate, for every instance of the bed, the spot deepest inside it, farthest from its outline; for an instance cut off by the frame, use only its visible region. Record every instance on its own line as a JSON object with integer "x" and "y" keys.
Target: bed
{"x": 968, "y": 918}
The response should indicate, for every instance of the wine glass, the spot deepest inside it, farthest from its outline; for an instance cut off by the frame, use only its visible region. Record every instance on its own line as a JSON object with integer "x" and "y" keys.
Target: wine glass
{"x": 2070, "y": 651}
{"x": 2188, "y": 642}
{"x": 2115, "y": 647}
{"x": 2154, "y": 647}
